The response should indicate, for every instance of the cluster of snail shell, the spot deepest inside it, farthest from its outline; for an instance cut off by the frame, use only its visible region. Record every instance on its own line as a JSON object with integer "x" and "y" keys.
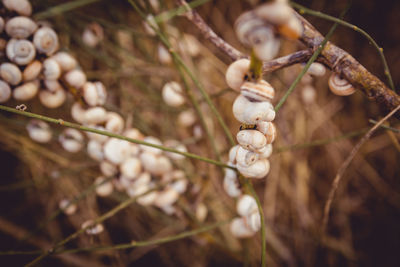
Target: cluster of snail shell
{"x": 32, "y": 61}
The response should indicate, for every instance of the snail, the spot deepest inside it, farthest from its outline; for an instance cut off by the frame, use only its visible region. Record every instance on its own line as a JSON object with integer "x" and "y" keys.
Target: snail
{"x": 116, "y": 150}
{"x": 237, "y": 73}
{"x": 94, "y": 93}
{"x": 340, "y": 86}
{"x": 114, "y": 122}
{"x": 20, "y": 27}
{"x": 260, "y": 91}
{"x": 231, "y": 183}
{"x": 67, "y": 206}
{"x": 246, "y": 205}
{"x": 39, "y": 131}
{"x": 259, "y": 169}
{"x": 131, "y": 167}
{"x": 71, "y": 140}
{"x": 52, "y": 99}
{"x": 93, "y": 35}
{"x": 103, "y": 188}
{"x": 65, "y": 60}
{"x": 75, "y": 78}
{"x": 240, "y": 229}
{"x": 45, "y": 40}
{"x": 10, "y": 73}
{"x": 172, "y": 94}
{"x": 249, "y": 112}
{"x": 5, "y": 92}
{"x": 251, "y": 139}
{"x": 245, "y": 157}
{"x": 91, "y": 228}
{"x": 108, "y": 169}
{"x": 32, "y": 70}
{"x": 22, "y": 7}
{"x": 95, "y": 150}
{"x": 51, "y": 69}
{"x": 21, "y": 52}
{"x": 95, "y": 115}
{"x": 26, "y": 91}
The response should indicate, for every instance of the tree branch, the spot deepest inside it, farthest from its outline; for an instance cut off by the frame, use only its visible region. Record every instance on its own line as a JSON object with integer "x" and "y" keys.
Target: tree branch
{"x": 332, "y": 56}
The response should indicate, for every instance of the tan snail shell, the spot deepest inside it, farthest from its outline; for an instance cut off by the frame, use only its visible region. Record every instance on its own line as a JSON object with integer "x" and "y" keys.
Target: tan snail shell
{"x": 5, "y": 92}
{"x": 75, "y": 78}
{"x": 260, "y": 91}
{"x": 172, "y": 94}
{"x": 39, "y": 131}
{"x": 236, "y": 73}
{"x": 26, "y": 91}
{"x": 340, "y": 86}
{"x": 65, "y": 60}
{"x": 95, "y": 115}
{"x": 186, "y": 118}
{"x": 22, "y": 7}
{"x": 246, "y": 205}
{"x": 52, "y": 99}
{"x": 104, "y": 188}
{"x": 240, "y": 229}
{"x": 259, "y": 169}
{"x": 95, "y": 94}
{"x": 32, "y": 70}
{"x": 45, "y": 40}
{"x": 51, "y": 69}
{"x": 21, "y": 52}
{"x": 251, "y": 113}
{"x": 114, "y": 122}
{"x": 93, "y": 34}
{"x": 71, "y": 140}
{"x": 20, "y": 27}
{"x": 246, "y": 24}
{"x": 53, "y": 85}
{"x": 275, "y": 12}
{"x": 268, "y": 129}
{"x": 10, "y": 73}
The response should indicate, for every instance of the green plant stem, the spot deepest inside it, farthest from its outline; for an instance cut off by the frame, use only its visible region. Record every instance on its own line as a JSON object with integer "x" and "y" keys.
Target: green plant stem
{"x": 62, "y": 8}
{"x": 255, "y": 66}
{"x": 250, "y": 188}
{"x": 385, "y": 126}
{"x": 304, "y": 10}
{"x": 132, "y": 244}
{"x": 109, "y": 134}
{"x": 167, "y": 15}
{"x": 197, "y": 83}
{"x": 310, "y": 61}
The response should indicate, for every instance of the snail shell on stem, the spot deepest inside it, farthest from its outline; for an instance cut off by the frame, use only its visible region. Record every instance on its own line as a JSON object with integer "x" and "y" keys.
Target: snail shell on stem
{"x": 340, "y": 86}
{"x": 260, "y": 91}
{"x": 236, "y": 73}
{"x": 46, "y": 41}
{"x": 21, "y": 52}
{"x": 5, "y": 92}
{"x": 20, "y": 27}
{"x": 39, "y": 131}
{"x": 10, "y": 73}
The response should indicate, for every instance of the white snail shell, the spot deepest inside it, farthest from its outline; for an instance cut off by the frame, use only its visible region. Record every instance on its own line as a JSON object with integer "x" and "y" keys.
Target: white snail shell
{"x": 239, "y": 228}
{"x": 116, "y": 150}
{"x": 251, "y": 139}
{"x": 75, "y": 78}
{"x": 20, "y": 27}
{"x": 201, "y": 212}
{"x": 52, "y": 99}
{"x": 108, "y": 169}
{"x": 246, "y": 24}
{"x": 26, "y": 91}
{"x": 133, "y": 133}
{"x": 253, "y": 221}
{"x": 10, "y": 73}
{"x": 249, "y": 112}
{"x": 5, "y": 92}
{"x": 95, "y": 150}
{"x": 180, "y": 186}
{"x": 172, "y": 176}
{"x": 246, "y": 205}
{"x": 98, "y": 137}
{"x": 231, "y": 183}
{"x": 152, "y": 140}
{"x": 51, "y": 69}
{"x": 245, "y": 157}
{"x": 46, "y": 41}
{"x": 131, "y": 167}
{"x": 260, "y": 91}
{"x": 95, "y": 94}
{"x": 166, "y": 197}
{"x": 177, "y": 146}
{"x": 21, "y": 52}
{"x": 308, "y": 94}
{"x": 53, "y": 85}
{"x": 22, "y": 7}
{"x": 163, "y": 55}
{"x": 93, "y": 35}
{"x": 65, "y": 60}
{"x": 103, "y": 188}
{"x": 232, "y": 154}
{"x": 114, "y": 122}
{"x": 77, "y": 112}
{"x": 259, "y": 169}
{"x": 268, "y": 129}
{"x": 155, "y": 164}
{"x": 95, "y": 115}
{"x": 265, "y": 152}
{"x": 172, "y": 94}
{"x": 340, "y": 86}
{"x": 186, "y": 118}
{"x": 147, "y": 199}
{"x": 39, "y": 131}
{"x": 32, "y": 70}
{"x": 316, "y": 69}
{"x": 93, "y": 230}
{"x": 71, "y": 140}
{"x": 236, "y": 73}
{"x": 275, "y": 12}
{"x": 67, "y": 207}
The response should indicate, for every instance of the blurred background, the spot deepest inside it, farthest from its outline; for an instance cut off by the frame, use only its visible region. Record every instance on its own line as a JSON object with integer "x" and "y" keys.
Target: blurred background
{"x": 316, "y": 132}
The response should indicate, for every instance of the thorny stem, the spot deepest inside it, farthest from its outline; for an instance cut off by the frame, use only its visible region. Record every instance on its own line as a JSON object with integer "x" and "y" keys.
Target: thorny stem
{"x": 310, "y": 61}
{"x": 109, "y": 134}
{"x": 304, "y": 10}
{"x": 344, "y": 166}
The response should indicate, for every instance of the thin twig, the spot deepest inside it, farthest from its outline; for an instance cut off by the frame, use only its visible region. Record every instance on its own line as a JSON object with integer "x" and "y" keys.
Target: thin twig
{"x": 109, "y": 134}
{"x": 304, "y": 10}
{"x": 345, "y": 165}
{"x": 62, "y": 8}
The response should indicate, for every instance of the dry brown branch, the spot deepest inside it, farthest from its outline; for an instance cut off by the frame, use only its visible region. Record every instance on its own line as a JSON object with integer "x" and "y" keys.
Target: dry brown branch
{"x": 345, "y": 165}
{"x": 332, "y": 56}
